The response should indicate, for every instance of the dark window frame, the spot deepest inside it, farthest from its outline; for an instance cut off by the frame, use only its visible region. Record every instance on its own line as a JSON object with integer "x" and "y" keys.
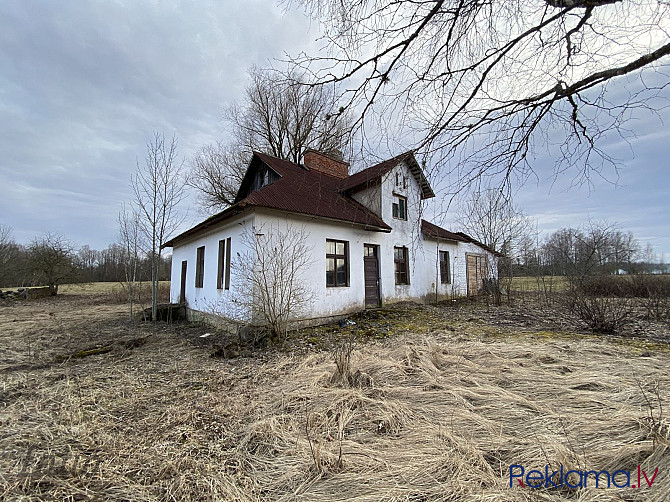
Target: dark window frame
{"x": 200, "y": 267}
{"x": 228, "y": 254}
{"x": 335, "y": 283}
{"x": 398, "y": 203}
{"x": 401, "y": 266}
{"x": 445, "y": 267}
{"x": 221, "y": 264}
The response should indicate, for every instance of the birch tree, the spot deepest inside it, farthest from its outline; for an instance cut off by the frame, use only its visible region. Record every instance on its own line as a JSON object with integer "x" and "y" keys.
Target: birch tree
{"x": 130, "y": 241}
{"x": 158, "y": 189}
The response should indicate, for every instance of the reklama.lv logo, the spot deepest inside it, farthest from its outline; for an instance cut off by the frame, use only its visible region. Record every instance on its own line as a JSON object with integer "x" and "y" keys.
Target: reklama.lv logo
{"x": 578, "y": 479}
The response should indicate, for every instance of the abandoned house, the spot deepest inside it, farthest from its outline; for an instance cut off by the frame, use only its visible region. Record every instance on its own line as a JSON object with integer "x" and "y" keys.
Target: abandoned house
{"x": 364, "y": 235}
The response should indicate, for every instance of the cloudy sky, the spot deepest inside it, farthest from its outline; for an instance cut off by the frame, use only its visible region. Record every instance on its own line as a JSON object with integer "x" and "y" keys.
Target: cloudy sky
{"x": 84, "y": 84}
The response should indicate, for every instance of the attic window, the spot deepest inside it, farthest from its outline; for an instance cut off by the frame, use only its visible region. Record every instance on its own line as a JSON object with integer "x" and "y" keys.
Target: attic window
{"x": 263, "y": 177}
{"x": 400, "y": 180}
{"x": 399, "y": 207}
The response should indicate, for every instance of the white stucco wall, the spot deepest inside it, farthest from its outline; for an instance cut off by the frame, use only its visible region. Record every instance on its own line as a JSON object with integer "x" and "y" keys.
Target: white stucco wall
{"x": 330, "y": 301}
{"x": 208, "y": 298}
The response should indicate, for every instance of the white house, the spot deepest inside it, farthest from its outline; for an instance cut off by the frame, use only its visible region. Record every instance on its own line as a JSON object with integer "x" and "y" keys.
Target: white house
{"x": 367, "y": 242}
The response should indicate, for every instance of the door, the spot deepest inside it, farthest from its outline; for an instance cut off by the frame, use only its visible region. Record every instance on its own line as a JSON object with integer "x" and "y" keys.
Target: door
{"x": 182, "y": 291}
{"x": 371, "y": 273}
{"x": 476, "y": 273}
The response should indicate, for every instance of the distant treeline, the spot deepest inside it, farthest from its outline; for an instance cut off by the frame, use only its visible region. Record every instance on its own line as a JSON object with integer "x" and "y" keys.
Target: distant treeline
{"x": 25, "y": 265}
{"x": 594, "y": 249}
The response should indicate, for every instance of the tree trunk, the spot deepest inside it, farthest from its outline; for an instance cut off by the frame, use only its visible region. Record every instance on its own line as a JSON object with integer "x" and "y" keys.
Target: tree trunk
{"x": 154, "y": 286}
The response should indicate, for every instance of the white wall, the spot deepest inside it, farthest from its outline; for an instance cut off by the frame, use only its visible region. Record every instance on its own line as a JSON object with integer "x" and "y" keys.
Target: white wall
{"x": 208, "y": 298}
{"x": 329, "y": 301}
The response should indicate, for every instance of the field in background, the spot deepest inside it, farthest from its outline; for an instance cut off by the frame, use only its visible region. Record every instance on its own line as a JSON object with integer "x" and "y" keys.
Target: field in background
{"x": 538, "y": 284}
{"x": 113, "y": 288}
{"x": 451, "y": 396}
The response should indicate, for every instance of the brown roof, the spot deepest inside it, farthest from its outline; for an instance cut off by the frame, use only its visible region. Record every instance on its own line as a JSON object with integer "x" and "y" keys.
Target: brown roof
{"x": 431, "y": 230}
{"x": 474, "y": 241}
{"x": 372, "y": 174}
{"x": 298, "y": 190}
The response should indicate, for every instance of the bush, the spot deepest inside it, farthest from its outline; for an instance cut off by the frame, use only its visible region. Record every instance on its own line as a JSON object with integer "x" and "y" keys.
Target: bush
{"x": 605, "y": 315}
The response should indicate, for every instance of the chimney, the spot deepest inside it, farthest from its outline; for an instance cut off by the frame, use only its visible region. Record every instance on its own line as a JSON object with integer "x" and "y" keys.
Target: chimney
{"x": 331, "y": 164}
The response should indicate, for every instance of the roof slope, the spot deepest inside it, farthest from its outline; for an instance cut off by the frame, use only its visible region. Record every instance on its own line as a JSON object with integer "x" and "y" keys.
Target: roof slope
{"x": 298, "y": 190}
{"x": 431, "y": 230}
{"x": 372, "y": 174}
{"x": 480, "y": 244}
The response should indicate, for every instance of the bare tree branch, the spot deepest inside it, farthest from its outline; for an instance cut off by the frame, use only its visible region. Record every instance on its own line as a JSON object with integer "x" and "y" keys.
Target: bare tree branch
{"x": 479, "y": 85}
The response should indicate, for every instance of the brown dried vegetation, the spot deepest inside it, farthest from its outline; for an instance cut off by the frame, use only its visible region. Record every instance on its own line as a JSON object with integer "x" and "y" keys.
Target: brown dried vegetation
{"x": 450, "y": 405}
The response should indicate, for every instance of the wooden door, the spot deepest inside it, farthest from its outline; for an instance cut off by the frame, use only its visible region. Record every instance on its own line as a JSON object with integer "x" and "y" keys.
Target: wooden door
{"x": 182, "y": 291}
{"x": 371, "y": 273}
{"x": 475, "y": 272}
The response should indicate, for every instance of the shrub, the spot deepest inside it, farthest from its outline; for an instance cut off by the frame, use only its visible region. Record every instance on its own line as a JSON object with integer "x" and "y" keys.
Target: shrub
{"x": 602, "y": 314}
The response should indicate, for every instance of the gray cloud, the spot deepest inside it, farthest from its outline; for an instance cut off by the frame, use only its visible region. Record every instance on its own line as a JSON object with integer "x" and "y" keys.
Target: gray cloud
{"x": 84, "y": 84}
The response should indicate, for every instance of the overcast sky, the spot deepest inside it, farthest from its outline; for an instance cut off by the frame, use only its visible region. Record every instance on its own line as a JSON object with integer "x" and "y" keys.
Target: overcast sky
{"x": 83, "y": 85}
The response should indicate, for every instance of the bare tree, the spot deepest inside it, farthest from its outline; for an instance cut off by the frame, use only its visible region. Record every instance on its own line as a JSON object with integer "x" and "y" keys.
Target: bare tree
{"x": 595, "y": 248}
{"x": 129, "y": 239}
{"x": 487, "y": 82}
{"x": 501, "y": 225}
{"x": 270, "y": 287}
{"x": 216, "y": 173}
{"x": 278, "y": 116}
{"x": 158, "y": 189}
{"x": 7, "y": 247}
{"x": 495, "y": 221}
{"x": 51, "y": 259}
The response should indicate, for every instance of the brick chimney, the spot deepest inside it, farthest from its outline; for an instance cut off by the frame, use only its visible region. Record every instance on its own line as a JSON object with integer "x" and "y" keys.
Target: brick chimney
{"x": 331, "y": 164}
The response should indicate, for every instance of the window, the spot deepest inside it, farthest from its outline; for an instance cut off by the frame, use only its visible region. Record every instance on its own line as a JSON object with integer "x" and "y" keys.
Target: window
{"x": 445, "y": 274}
{"x": 262, "y": 178}
{"x": 221, "y": 265}
{"x": 401, "y": 268}
{"x": 400, "y": 207}
{"x": 199, "y": 266}
{"x": 337, "y": 263}
{"x": 228, "y": 262}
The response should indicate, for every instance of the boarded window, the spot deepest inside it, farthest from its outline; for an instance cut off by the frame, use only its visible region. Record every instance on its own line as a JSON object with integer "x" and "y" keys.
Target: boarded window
{"x": 337, "y": 263}
{"x": 229, "y": 252}
{"x": 445, "y": 272}
{"x": 401, "y": 265}
{"x": 200, "y": 266}
{"x": 221, "y": 265}
{"x": 400, "y": 207}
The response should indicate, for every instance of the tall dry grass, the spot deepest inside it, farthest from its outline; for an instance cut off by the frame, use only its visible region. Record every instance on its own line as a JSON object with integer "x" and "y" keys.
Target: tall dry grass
{"x": 444, "y": 417}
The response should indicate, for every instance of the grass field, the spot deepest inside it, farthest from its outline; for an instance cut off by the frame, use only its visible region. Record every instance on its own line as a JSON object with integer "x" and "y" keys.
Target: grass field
{"x": 539, "y": 283}
{"x": 95, "y": 407}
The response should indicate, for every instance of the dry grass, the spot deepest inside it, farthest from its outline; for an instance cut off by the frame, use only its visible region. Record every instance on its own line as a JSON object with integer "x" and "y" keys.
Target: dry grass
{"x": 542, "y": 284}
{"x": 447, "y": 413}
